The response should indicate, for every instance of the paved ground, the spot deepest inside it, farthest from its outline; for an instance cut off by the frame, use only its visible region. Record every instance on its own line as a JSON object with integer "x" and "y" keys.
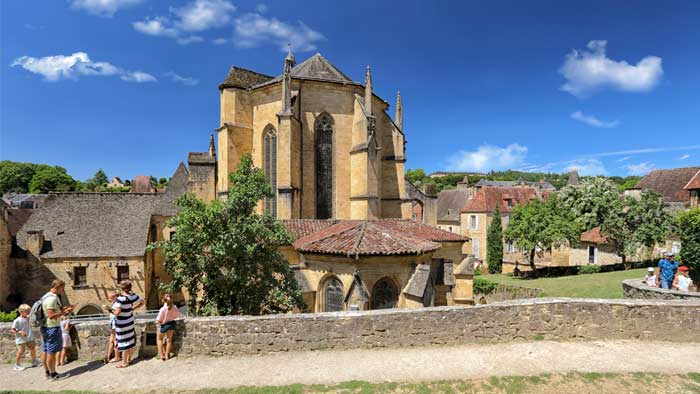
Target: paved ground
{"x": 380, "y": 365}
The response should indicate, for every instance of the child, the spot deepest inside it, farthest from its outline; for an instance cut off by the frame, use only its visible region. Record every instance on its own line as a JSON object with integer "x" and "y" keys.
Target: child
{"x": 682, "y": 281}
{"x": 112, "y": 297}
{"x": 24, "y": 337}
{"x": 650, "y": 279}
{"x": 166, "y": 318}
{"x": 65, "y": 333}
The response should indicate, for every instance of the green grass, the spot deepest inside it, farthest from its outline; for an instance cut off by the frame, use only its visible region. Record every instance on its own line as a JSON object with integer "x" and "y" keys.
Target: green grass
{"x": 600, "y": 285}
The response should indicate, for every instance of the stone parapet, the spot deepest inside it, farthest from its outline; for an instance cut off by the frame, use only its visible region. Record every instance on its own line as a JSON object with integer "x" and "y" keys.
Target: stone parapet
{"x": 635, "y": 289}
{"x": 519, "y": 320}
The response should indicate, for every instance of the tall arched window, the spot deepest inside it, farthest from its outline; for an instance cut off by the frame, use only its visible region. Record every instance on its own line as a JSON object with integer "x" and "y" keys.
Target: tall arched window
{"x": 270, "y": 151}
{"x": 333, "y": 295}
{"x": 385, "y": 295}
{"x": 324, "y": 166}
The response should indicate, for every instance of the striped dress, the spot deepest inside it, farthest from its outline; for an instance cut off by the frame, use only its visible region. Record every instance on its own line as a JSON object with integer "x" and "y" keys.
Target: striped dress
{"x": 124, "y": 325}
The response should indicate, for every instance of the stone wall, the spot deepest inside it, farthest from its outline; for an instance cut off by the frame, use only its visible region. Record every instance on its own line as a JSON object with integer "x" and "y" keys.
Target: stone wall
{"x": 634, "y": 288}
{"x": 545, "y": 318}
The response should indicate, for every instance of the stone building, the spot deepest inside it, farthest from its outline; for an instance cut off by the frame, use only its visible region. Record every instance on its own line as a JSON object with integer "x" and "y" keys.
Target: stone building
{"x": 5, "y": 251}
{"x": 450, "y": 204}
{"x": 593, "y": 249}
{"x": 693, "y": 188}
{"x": 670, "y": 184}
{"x": 325, "y": 142}
{"x": 115, "y": 182}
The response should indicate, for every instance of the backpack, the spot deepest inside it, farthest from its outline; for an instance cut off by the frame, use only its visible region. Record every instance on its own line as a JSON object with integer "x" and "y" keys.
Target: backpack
{"x": 37, "y": 314}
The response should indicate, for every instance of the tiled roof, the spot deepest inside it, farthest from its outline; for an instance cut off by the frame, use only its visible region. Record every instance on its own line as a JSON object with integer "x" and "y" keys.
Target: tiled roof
{"x": 670, "y": 183}
{"x": 593, "y": 235}
{"x": 16, "y": 217}
{"x": 241, "y": 78}
{"x": 543, "y": 184}
{"x": 420, "y": 230}
{"x": 142, "y": 184}
{"x": 694, "y": 183}
{"x": 362, "y": 238}
{"x": 450, "y": 203}
{"x": 302, "y": 227}
{"x": 487, "y": 198}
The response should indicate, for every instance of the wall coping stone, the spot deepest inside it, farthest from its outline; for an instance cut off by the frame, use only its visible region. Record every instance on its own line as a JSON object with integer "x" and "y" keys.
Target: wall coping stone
{"x": 658, "y": 293}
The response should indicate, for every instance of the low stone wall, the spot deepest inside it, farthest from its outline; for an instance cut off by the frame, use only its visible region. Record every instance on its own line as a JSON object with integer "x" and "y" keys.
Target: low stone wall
{"x": 504, "y": 292}
{"x": 544, "y": 318}
{"x": 635, "y": 289}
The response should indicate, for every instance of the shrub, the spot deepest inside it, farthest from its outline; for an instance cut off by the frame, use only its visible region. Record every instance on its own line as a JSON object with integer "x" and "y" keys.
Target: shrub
{"x": 484, "y": 286}
{"x": 589, "y": 269}
{"x": 8, "y": 316}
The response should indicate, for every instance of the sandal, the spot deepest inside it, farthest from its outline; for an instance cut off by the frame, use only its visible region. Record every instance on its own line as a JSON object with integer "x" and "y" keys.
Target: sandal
{"x": 122, "y": 365}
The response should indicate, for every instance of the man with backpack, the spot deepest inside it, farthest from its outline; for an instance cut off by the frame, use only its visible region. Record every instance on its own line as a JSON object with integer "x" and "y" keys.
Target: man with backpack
{"x": 47, "y": 313}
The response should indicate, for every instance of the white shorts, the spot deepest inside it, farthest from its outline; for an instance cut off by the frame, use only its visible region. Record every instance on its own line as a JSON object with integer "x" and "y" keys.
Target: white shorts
{"x": 66, "y": 340}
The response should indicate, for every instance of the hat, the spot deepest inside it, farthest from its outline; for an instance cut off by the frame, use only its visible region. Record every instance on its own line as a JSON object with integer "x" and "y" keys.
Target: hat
{"x": 683, "y": 268}
{"x": 650, "y": 269}
{"x": 668, "y": 254}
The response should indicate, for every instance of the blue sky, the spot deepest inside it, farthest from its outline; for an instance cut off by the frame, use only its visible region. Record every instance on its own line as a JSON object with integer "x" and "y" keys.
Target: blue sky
{"x": 131, "y": 85}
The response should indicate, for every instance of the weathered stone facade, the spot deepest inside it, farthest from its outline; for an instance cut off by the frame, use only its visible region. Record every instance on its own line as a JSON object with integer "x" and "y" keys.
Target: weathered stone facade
{"x": 522, "y": 320}
{"x": 635, "y": 289}
{"x": 5, "y": 250}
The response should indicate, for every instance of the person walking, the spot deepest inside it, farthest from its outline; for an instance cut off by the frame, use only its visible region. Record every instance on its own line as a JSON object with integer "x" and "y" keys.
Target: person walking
{"x": 166, "y": 318}
{"x": 123, "y": 309}
{"x": 682, "y": 282}
{"x": 24, "y": 337}
{"x": 667, "y": 271}
{"x": 52, "y": 340}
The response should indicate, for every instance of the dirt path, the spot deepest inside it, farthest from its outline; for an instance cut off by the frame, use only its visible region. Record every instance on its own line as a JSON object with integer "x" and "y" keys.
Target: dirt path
{"x": 380, "y": 365}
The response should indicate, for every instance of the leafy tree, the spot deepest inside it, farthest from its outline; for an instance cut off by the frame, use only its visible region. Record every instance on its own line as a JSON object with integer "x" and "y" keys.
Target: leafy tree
{"x": 15, "y": 177}
{"x": 542, "y": 224}
{"x": 494, "y": 241}
{"x": 687, "y": 226}
{"x": 97, "y": 182}
{"x": 229, "y": 255}
{"x": 47, "y": 178}
{"x": 592, "y": 201}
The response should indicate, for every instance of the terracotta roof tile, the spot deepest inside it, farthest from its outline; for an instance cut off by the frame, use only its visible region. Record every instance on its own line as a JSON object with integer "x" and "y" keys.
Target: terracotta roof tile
{"x": 593, "y": 235}
{"x": 670, "y": 183}
{"x": 694, "y": 182}
{"x": 487, "y": 198}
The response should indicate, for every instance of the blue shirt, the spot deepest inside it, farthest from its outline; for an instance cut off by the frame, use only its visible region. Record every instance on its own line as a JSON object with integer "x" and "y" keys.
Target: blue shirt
{"x": 667, "y": 269}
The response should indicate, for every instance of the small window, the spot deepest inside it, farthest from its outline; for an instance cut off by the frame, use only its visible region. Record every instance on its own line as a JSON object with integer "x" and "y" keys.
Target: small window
{"x": 474, "y": 222}
{"x": 172, "y": 235}
{"x": 475, "y": 247}
{"x": 450, "y": 228}
{"x": 122, "y": 273}
{"x": 506, "y": 219}
{"x": 509, "y": 203}
{"x": 154, "y": 233}
{"x": 79, "y": 276}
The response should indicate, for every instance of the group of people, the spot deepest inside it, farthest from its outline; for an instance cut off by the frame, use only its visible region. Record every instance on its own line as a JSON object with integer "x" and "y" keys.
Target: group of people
{"x": 53, "y": 320}
{"x": 669, "y": 275}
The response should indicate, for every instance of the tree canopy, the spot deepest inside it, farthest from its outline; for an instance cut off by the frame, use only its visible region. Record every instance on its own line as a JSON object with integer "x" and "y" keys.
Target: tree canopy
{"x": 687, "y": 226}
{"x": 228, "y": 254}
{"x": 47, "y": 179}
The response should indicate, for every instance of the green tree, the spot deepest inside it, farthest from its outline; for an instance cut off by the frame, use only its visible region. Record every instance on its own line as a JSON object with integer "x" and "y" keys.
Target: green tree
{"x": 416, "y": 176}
{"x": 542, "y": 224}
{"x": 687, "y": 226}
{"x": 494, "y": 242}
{"x": 229, "y": 254}
{"x": 15, "y": 177}
{"x": 592, "y": 202}
{"x": 97, "y": 182}
{"x": 47, "y": 179}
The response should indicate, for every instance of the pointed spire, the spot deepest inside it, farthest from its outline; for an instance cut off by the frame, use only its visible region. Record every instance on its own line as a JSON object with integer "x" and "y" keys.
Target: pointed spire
{"x": 368, "y": 91}
{"x": 398, "y": 116}
{"x": 212, "y": 147}
{"x": 289, "y": 62}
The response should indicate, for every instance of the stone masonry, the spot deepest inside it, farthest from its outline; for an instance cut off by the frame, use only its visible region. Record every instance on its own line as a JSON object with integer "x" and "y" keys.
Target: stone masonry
{"x": 633, "y": 288}
{"x": 522, "y": 320}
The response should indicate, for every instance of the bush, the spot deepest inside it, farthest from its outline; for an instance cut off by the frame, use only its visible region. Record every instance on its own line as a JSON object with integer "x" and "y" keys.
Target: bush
{"x": 484, "y": 286}
{"x": 589, "y": 269}
{"x": 8, "y": 316}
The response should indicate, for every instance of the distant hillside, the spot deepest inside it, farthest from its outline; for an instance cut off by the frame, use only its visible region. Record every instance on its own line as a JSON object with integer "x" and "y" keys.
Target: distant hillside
{"x": 419, "y": 178}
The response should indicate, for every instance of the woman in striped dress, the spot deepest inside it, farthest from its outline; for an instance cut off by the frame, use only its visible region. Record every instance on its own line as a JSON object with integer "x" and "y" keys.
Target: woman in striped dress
{"x": 123, "y": 309}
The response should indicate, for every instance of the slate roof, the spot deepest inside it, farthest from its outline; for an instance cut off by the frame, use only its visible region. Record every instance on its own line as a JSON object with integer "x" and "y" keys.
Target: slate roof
{"x": 176, "y": 187}
{"x": 694, "y": 182}
{"x": 93, "y": 224}
{"x": 243, "y": 79}
{"x": 593, "y": 235}
{"x": 315, "y": 68}
{"x": 16, "y": 217}
{"x": 670, "y": 183}
{"x": 450, "y": 203}
{"x": 200, "y": 158}
{"x": 542, "y": 184}
{"x": 25, "y": 200}
{"x": 487, "y": 198}
{"x": 418, "y": 282}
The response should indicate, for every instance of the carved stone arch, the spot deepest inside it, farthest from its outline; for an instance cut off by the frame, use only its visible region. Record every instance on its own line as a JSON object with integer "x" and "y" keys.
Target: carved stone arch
{"x": 90, "y": 309}
{"x": 324, "y": 127}
{"x": 331, "y": 294}
{"x": 385, "y": 294}
{"x": 270, "y": 167}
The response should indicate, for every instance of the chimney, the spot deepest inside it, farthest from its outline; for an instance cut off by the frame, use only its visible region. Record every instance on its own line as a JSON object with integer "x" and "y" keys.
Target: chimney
{"x": 398, "y": 116}
{"x": 368, "y": 91}
{"x": 35, "y": 242}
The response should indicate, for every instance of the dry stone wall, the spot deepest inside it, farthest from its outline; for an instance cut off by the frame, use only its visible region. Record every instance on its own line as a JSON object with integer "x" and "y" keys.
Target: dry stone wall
{"x": 521, "y": 320}
{"x": 635, "y": 289}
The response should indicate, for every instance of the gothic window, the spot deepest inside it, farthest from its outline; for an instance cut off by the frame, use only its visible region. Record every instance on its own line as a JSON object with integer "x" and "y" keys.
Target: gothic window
{"x": 385, "y": 294}
{"x": 270, "y": 147}
{"x": 324, "y": 166}
{"x": 333, "y": 295}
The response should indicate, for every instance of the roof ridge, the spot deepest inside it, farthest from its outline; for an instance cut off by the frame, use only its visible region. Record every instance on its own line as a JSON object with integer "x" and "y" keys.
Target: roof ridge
{"x": 356, "y": 246}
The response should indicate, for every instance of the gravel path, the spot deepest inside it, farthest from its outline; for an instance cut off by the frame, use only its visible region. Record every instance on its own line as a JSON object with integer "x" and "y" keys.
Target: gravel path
{"x": 377, "y": 365}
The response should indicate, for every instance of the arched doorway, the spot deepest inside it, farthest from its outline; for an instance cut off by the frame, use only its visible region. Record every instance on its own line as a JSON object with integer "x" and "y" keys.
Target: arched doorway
{"x": 332, "y": 295}
{"x": 385, "y": 295}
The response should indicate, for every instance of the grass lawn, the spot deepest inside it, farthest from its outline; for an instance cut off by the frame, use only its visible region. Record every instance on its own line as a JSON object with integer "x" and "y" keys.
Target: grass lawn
{"x": 600, "y": 285}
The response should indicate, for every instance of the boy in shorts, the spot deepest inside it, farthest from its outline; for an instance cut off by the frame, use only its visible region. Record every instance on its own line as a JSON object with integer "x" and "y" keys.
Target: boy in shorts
{"x": 24, "y": 337}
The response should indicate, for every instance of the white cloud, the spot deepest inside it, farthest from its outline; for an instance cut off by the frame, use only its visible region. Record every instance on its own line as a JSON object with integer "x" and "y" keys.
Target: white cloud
{"x": 261, "y": 8}
{"x": 586, "y": 167}
{"x": 203, "y": 14}
{"x": 55, "y": 68}
{"x": 624, "y": 158}
{"x": 187, "y": 81}
{"x": 644, "y": 150}
{"x": 488, "y": 157}
{"x": 684, "y": 157}
{"x": 589, "y": 71}
{"x": 219, "y": 41}
{"x": 593, "y": 121}
{"x": 253, "y": 30}
{"x": 640, "y": 168}
{"x": 198, "y": 15}
{"x": 104, "y": 8}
